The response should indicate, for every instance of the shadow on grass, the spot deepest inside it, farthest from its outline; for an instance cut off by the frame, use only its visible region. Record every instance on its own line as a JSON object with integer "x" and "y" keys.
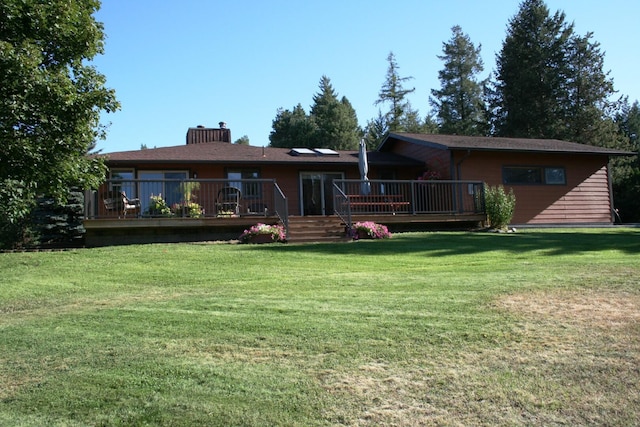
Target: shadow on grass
{"x": 549, "y": 243}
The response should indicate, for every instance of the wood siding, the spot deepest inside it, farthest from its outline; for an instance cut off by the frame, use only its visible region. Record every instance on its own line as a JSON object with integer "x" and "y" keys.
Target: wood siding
{"x": 433, "y": 158}
{"x": 287, "y": 177}
{"x": 585, "y": 197}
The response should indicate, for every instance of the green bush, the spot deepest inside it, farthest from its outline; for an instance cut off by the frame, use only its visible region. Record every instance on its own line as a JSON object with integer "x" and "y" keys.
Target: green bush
{"x": 500, "y": 206}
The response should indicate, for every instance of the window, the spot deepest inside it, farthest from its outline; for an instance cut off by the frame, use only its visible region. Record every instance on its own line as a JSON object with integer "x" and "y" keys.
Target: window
{"x": 250, "y": 190}
{"x": 533, "y": 175}
{"x": 122, "y": 180}
{"x": 167, "y": 183}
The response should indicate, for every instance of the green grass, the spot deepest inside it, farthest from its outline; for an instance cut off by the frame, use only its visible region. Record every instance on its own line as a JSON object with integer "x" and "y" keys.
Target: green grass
{"x": 532, "y": 328}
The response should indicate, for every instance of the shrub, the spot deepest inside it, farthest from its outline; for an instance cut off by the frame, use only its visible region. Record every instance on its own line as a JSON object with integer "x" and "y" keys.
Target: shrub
{"x": 499, "y": 206}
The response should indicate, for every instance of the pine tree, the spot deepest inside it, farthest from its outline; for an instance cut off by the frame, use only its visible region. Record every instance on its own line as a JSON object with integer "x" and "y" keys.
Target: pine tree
{"x": 588, "y": 111}
{"x": 376, "y": 131}
{"x": 626, "y": 170}
{"x": 394, "y": 93}
{"x": 336, "y": 120}
{"x": 531, "y": 68}
{"x": 459, "y": 105}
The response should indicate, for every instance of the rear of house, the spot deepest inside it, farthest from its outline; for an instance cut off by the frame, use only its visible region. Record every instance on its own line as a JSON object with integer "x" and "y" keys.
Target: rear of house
{"x": 555, "y": 182}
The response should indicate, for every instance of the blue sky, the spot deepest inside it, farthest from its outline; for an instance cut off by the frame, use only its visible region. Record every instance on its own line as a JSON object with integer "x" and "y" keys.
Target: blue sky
{"x": 178, "y": 64}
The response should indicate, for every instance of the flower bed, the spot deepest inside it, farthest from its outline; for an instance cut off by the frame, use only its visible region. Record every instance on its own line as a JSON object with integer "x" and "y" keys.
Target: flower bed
{"x": 263, "y": 233}
{"x": 369, "y": 230}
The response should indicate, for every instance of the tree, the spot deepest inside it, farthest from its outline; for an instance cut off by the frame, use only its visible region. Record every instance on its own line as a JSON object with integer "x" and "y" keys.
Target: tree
{"x": 458, "y": 104}
{"x": 336, "y": 120}
{"x": 530, "y": 70}
{"x": 375, "y": 131}
{"x": 332, "y": 123}
{"x": 243, "y": 140}
{"x": 626, "y": 177}
{"x": 292, "y": 129}
{"x": 588, "y": 109}
{"x": 51, "y": 98}
{"x": 394, "y": 93}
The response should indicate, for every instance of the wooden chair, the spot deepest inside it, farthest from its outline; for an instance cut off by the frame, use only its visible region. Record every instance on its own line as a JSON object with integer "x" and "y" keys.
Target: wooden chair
{"x": 120, "y": 203}
{"x": 228, "y": 201}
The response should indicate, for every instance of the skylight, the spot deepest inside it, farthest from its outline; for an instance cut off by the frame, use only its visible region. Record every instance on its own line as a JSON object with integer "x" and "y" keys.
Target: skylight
{"x": 326, "y": 152}
{"x": 302, "y": 152}
{"x": 313, "y": 152}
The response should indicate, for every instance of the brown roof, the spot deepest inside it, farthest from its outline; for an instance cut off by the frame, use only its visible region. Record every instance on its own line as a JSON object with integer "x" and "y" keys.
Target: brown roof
{"x": 226, "y": 153}
{"x": 482, "y": 143}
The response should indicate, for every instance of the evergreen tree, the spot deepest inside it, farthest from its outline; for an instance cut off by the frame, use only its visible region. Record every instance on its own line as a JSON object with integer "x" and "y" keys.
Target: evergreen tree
{"x": 394, "y": 94}
{"x": 628, "y": 120}
{"x": 336, "y": 120}
{"x": 376, "y": 131}
{"x": 292, "y": 129}
{"x": 626, "y": 176}
{"x": 588, "y": 111}
{"x": 459, "y": 104}
{"x": 531, "y": 68}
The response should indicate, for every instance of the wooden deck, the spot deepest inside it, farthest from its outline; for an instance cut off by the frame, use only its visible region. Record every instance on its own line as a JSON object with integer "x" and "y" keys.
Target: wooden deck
{"x": 107, "y": 232}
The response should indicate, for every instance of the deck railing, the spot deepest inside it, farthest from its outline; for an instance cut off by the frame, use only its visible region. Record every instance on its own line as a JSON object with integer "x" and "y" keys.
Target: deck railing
{"x": 408, "y": 197}
{"x": 189, "y": 198}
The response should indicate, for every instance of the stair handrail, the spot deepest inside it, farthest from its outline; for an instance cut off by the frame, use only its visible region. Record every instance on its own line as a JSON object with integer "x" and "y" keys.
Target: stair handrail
{"x": 341, "y": 205}
{"x": 281, "y": 207}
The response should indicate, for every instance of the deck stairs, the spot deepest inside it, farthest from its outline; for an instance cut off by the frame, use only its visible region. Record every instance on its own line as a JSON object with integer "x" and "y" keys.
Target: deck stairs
{"x": 306, "y": 229}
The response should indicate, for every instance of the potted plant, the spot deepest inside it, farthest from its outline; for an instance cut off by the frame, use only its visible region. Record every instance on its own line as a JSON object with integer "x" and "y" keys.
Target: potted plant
{"x": 157, "y": 206}
{"x": 369, "y": 230}
{"x": 263, "y": 233}
{"x": 187, "y": 209}
{"x": 188, "y": 188}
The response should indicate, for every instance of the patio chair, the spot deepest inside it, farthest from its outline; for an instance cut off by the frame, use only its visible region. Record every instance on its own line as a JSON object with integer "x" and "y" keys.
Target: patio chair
{"x": 228, "y": 201}
{"x": 120, "y": 203}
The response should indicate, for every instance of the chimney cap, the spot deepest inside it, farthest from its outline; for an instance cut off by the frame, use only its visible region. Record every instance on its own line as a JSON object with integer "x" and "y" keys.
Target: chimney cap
{"x": 223, "y": 125}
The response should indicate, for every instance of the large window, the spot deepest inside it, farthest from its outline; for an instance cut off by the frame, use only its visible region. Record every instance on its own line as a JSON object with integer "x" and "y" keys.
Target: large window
{"x": 122, "y": 180}
{"x": 249, "y": 190}
{"x": 532, "y": 175}
{"x": 166, "y": 183}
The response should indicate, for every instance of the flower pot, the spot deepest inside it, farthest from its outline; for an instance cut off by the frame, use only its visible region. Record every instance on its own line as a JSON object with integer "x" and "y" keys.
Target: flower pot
{"x": 261, "y": 238}
{"x": 363, "y": 235}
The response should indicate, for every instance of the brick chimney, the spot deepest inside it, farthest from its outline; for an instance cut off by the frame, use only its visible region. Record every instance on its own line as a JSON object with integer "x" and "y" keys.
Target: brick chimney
{"x": 202, "y": 134}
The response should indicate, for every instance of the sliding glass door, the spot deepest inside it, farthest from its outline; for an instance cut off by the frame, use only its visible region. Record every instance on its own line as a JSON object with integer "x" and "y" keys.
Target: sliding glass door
{"x": 317, "y": 192}
{"x": 170, "y": 190}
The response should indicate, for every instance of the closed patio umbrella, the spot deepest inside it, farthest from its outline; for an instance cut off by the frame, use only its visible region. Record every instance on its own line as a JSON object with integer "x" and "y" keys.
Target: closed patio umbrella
{"x": 363, "y": 165}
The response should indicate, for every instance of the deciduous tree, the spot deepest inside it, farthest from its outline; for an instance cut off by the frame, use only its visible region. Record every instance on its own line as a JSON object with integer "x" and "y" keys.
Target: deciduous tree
{"x": 51, "y": 98}
{"x": 292, "y": 129}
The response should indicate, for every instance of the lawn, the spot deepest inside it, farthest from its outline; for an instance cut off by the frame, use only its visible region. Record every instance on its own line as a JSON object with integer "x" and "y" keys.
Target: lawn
{"x": 532, "y": 328}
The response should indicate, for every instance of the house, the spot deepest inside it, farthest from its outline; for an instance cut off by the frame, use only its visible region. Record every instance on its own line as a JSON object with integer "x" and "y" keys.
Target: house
{"x": 412, "y": 178}
{"x": 305, "y": 176}
{"x": 555, "y": 182}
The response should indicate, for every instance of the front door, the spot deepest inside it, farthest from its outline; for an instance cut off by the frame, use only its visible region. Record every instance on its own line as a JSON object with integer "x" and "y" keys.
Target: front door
{"x": 317, "y": 192}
